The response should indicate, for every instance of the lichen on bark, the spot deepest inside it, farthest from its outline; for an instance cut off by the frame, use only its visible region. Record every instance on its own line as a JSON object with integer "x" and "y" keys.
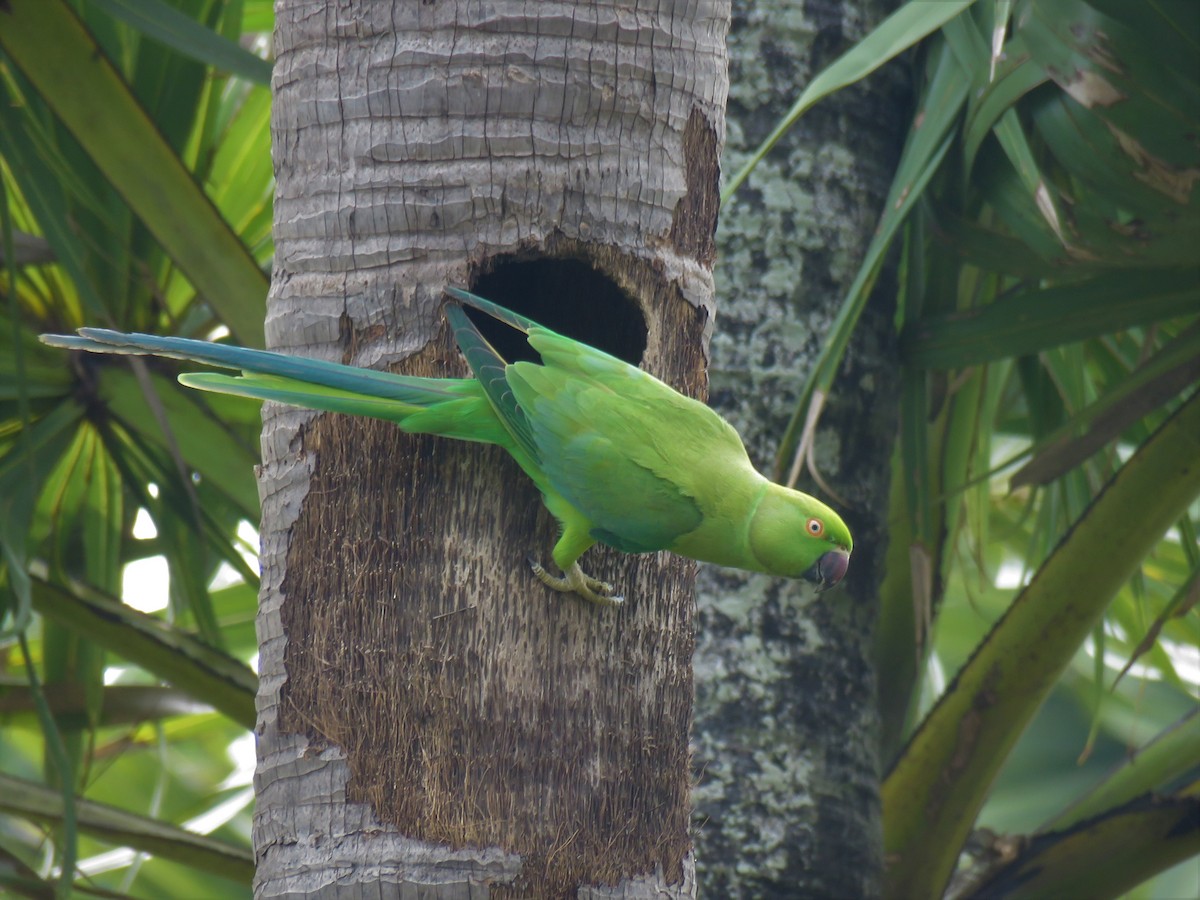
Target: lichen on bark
{"x": 785, "y": 736}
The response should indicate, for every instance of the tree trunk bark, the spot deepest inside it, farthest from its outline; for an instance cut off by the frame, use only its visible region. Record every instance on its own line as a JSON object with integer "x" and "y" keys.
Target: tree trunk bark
{"x": 786, "y": 727}
{"x": 433, "y": 721}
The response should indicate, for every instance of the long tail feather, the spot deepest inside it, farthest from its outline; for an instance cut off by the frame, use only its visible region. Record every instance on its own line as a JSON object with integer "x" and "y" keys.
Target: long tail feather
{"x": 306, "y": 394}
{"x": 385, "y": 385}
{"x": 453, "y": 407}
{"x": 457, "y": 410}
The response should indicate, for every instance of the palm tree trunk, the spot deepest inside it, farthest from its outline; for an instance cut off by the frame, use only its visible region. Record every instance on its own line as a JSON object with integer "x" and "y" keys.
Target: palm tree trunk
{"x": 786, "y": 739}
{"x": 430, "y": 716}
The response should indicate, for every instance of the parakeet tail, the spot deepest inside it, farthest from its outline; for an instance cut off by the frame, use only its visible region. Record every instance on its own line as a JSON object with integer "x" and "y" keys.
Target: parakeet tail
{"x": 454, "y": 407}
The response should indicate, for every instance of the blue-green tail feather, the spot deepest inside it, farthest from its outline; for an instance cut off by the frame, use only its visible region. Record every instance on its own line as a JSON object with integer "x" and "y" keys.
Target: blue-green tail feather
{"x": 455, "y": 408}
{"x": 481, "y": 408}
{"x": 404, "y": 388}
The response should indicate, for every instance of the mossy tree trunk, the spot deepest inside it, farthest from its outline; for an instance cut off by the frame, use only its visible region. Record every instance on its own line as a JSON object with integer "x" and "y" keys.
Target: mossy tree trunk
{"x": 431, "y": 718}
{"x": 786, "y": 728}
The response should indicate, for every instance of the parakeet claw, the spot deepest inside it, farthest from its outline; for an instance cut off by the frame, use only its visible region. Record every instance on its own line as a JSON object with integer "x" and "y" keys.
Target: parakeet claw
{"x": 575, "y": 580}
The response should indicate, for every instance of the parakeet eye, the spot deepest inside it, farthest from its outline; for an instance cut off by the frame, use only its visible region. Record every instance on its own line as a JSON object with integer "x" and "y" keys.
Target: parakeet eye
{"x": 816, "y": 527}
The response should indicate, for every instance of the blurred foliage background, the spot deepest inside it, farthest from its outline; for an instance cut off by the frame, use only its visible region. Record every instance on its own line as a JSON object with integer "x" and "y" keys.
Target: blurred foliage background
{"x": 136, "y": 173}
{"x": 1039, "y": 642}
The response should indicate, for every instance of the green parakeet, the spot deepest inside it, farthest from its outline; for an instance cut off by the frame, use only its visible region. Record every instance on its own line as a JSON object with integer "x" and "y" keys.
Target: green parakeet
{"x": 620, "y": 457}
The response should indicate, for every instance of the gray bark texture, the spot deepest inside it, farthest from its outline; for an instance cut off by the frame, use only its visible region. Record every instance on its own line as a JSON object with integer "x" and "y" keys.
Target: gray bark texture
{"x": 785, "y": 739}
{"x": 433, "y": 722}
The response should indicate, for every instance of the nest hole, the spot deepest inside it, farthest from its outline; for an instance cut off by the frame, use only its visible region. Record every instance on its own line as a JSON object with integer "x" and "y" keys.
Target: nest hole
{"x": 568, "y": 296}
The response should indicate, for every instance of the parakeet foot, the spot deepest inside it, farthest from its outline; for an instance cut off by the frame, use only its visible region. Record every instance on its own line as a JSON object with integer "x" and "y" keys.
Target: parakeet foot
{"x": 575, "y": 580}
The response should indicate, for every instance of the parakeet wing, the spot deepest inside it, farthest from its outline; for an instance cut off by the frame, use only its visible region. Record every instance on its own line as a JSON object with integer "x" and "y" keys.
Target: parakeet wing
{"x": 627, "y": 451}
{"x": 589, "y": 443}
{"x": 490, "y": 368}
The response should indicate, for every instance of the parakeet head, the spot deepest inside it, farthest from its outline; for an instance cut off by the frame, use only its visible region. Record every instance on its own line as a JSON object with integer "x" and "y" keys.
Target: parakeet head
{"x": 798, "y": 536}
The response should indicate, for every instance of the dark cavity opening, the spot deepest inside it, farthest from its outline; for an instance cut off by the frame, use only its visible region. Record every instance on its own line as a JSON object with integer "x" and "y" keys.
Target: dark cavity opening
{"x": 567, "y": 296}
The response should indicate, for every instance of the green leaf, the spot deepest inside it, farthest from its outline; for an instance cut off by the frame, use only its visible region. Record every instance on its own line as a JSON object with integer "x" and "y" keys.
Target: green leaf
{"x": 54, "y": 50}
{"x": 241, "y": 178}
{"x": 923, "y": 154}
{"x": 1166, "y": 375}
{"x": 16, "y": 505}
{"x": 973, "y": 54}
{"x": 1037, "y": 319}
{"x": 1102, "y": 857}
{"x": 1017, "y": 76}
{"x": 23, "y": 471}
{"x": 57, "y": 201}
{"x": 119, "y": 704}
{"x": 209, "y": 675}
{"x": 117, "y": 826}
{"x": 1119, "y": 76}
{"x": 61, "y": 771}
{"x": 258, "y": 16}
{"x": 1169, "y": 755}
{"x": 236, "y": 608}
{"x": 901, "y": 30}
{"x": 985, "y": 247}
{"x": 939, "y": 783}
{"x": 166, "y": 24}
{"x": 185, "y": 424}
